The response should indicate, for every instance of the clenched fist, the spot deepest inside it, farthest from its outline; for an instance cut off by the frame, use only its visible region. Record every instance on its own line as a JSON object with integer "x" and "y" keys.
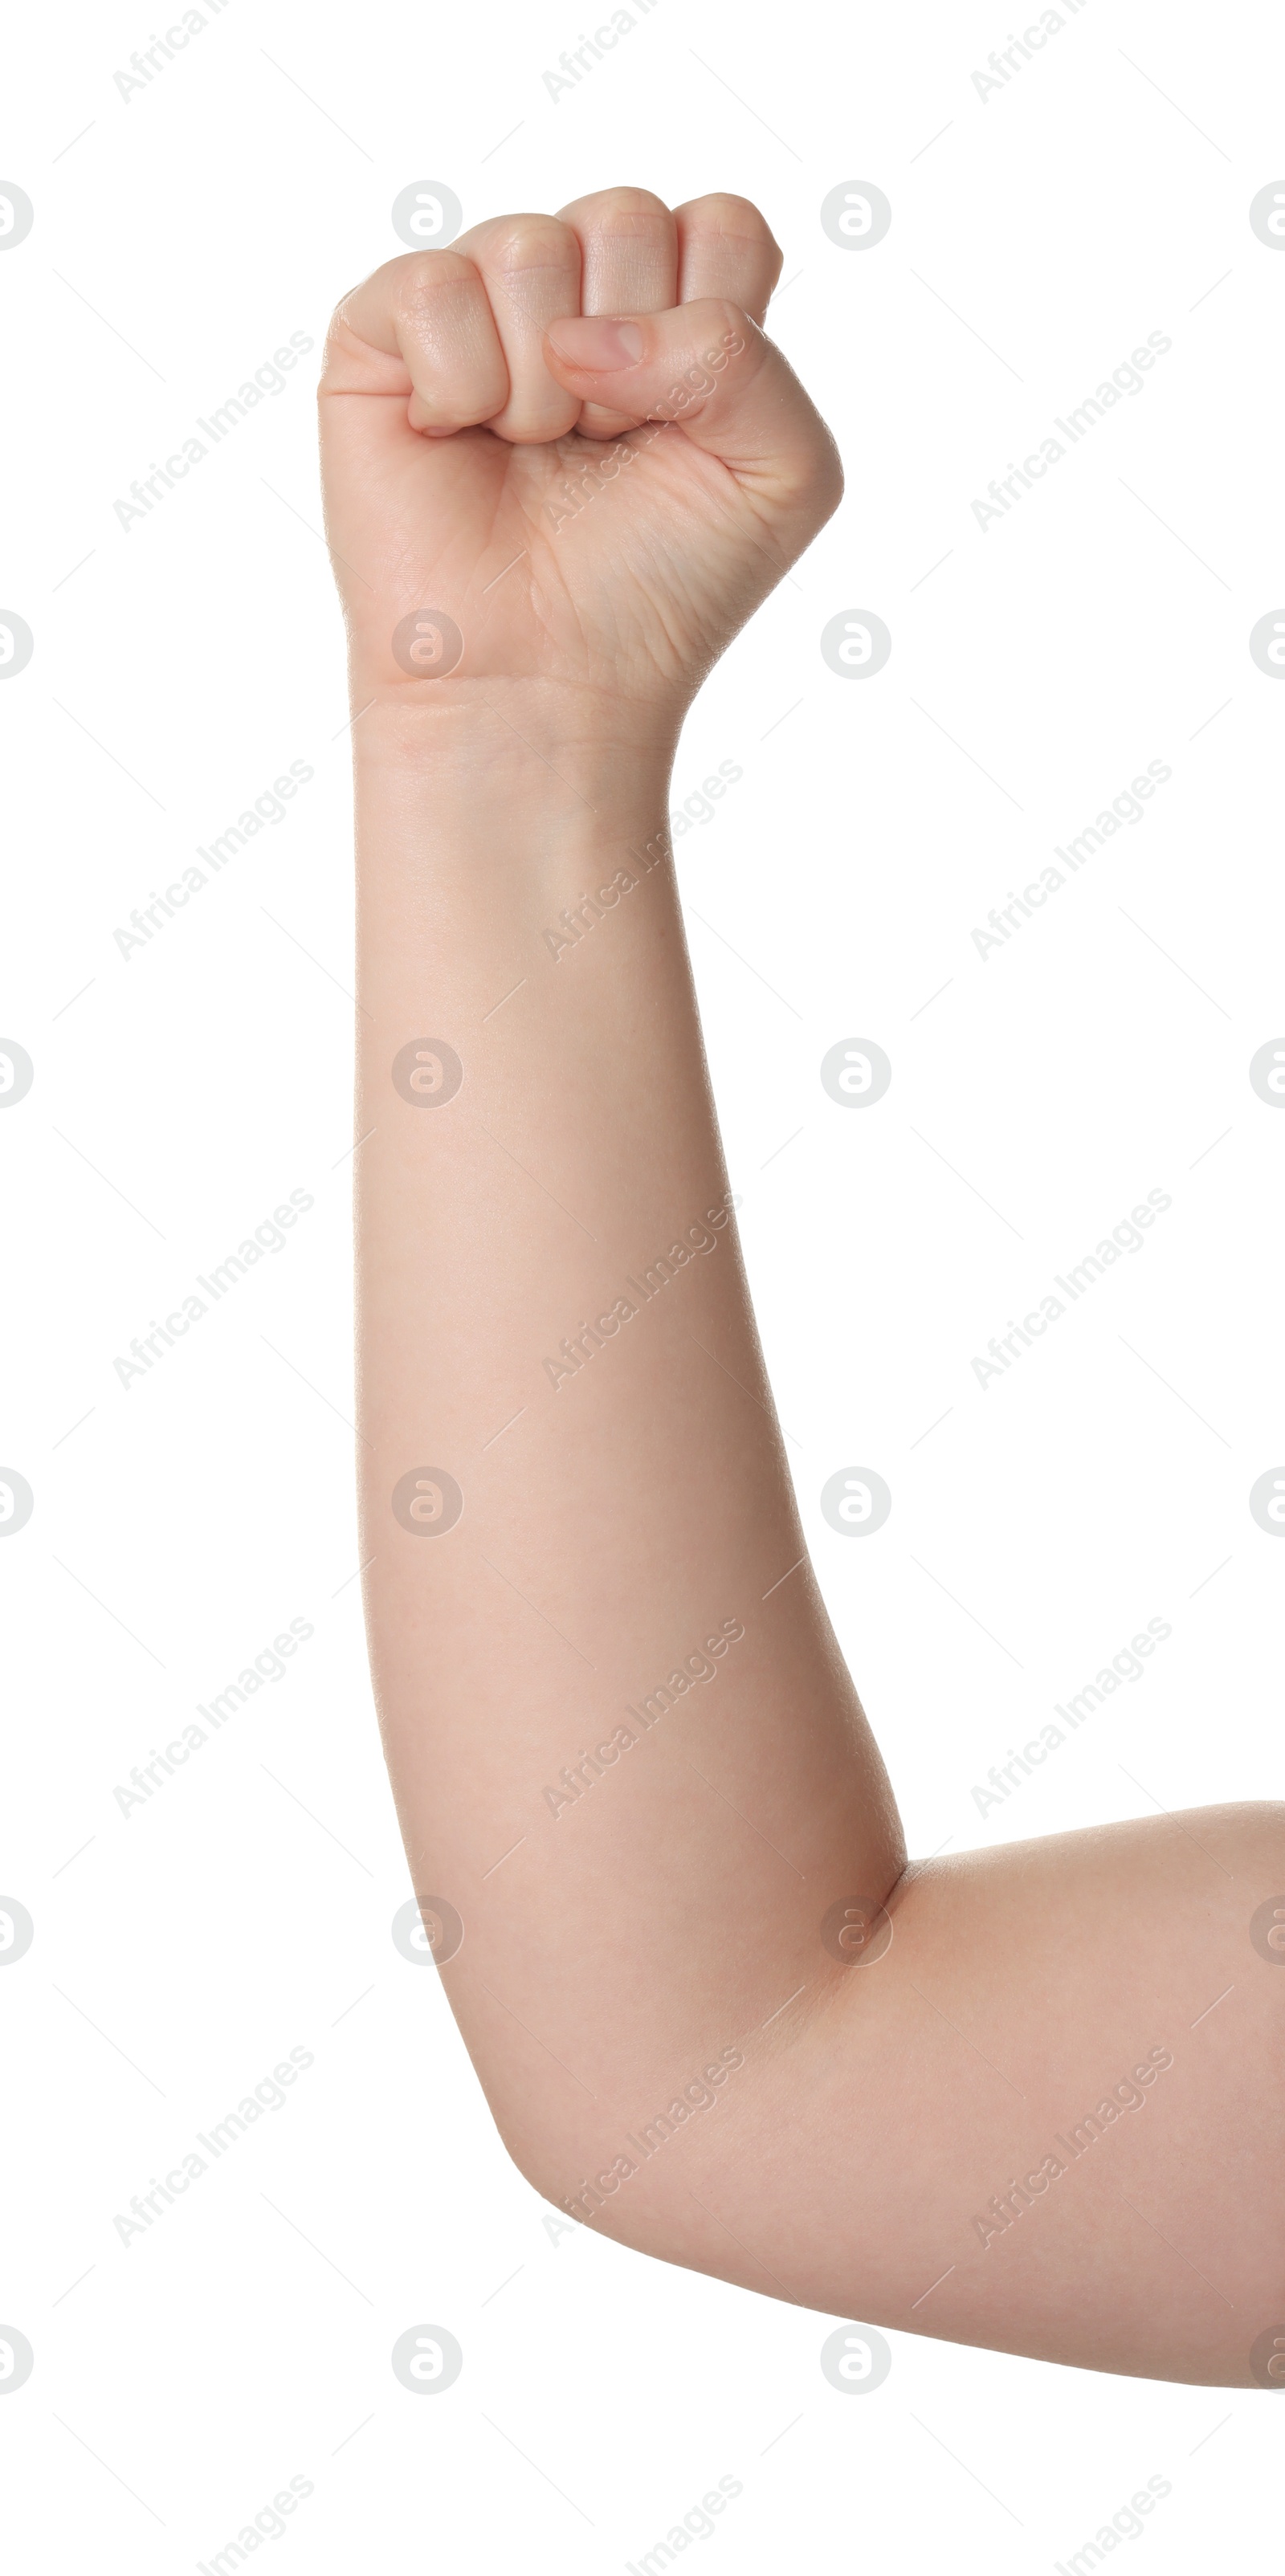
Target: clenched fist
{"x": 569, "y": 437}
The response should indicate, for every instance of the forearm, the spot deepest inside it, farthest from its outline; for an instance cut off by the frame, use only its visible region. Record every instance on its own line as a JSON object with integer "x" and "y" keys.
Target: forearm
{"x": 553, "y": 1310}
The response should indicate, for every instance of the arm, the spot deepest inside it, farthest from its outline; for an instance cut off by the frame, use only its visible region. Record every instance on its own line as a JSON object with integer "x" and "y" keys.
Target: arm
{"x": 714, "y": 2011}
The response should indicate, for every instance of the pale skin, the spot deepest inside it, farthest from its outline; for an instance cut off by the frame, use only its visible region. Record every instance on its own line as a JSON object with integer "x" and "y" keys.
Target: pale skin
{"x": 643, "y": 1925}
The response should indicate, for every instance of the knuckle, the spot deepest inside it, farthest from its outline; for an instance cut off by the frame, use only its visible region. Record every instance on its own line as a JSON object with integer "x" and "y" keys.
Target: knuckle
{"x": 424, "y": 275}
{"x": 518, "y": 242}
{"x": 724, "y": 316}
{"x": 522, "y": 424}
{"x": 729, "y": 217}
{"x": 624, "y": 210}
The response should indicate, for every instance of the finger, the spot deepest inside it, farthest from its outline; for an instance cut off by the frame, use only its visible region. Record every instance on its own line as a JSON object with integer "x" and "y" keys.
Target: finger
{"x": 707, "y": 371}
{"x": 420, "y": 330}
{"x": 725, "y": 248}
{"x": 628, "y": 264}
{"x": 530, "y": 267}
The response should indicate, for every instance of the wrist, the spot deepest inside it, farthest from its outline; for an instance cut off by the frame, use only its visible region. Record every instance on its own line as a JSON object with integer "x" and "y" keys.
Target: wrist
{"x": 506, "y": 814}
{"x": 546, "y": 751}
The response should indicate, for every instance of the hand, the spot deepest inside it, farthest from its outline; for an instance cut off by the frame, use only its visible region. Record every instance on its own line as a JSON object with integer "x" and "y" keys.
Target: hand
{"x": 597, "y": 503}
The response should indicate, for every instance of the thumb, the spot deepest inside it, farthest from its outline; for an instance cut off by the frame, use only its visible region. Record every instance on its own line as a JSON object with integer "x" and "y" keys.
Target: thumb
{"x": 708, "y": 370}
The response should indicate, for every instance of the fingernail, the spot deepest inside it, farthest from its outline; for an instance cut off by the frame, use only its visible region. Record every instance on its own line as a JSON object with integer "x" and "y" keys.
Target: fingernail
{"x": 595, "y": 344}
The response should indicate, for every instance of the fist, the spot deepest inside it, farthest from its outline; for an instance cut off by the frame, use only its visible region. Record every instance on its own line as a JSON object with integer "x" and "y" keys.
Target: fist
{"x": 569, "y": 437}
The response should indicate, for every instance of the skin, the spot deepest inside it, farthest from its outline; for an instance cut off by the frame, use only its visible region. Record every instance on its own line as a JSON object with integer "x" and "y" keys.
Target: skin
{"x": 663, "y": 1916}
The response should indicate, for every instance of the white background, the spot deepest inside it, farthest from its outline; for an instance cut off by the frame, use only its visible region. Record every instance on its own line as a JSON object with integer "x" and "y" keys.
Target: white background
{"x": 179, "y": 1524}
